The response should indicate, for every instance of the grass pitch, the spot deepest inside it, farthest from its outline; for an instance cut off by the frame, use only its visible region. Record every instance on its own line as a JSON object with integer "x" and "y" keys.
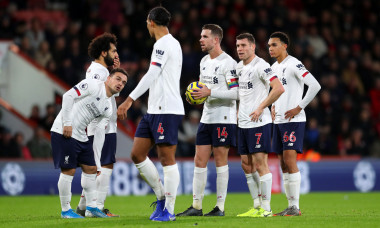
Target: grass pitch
{"x": 318, "y": 210}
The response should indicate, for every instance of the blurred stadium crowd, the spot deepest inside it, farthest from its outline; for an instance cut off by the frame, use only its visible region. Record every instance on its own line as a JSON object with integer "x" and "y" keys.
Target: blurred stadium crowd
{"x": 338, "y": 41}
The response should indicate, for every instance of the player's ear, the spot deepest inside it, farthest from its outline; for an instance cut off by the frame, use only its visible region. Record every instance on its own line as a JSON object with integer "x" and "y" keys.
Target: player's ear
{"x": 104, "y": 54}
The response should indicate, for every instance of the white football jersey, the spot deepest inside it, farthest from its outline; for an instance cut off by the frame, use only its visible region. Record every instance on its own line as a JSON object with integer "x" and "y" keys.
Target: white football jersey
{"x": 290, "y": 72}
{"x": 99, "y": 72}
{"x": 254, "y": 79}
{"x": 164, "y": 93}
{"x": 90, "y": 102}
{"x": 219, "y": 74}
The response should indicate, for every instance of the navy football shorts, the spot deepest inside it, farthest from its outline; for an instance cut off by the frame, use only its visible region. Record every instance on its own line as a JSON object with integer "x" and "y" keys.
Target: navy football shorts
{"x": 162, "y": 128}
{"x": 253, "y": 140}
{"x": 216, "y": 134}
{"x": 288, "y": 136}
{"x": 68, "y": 153}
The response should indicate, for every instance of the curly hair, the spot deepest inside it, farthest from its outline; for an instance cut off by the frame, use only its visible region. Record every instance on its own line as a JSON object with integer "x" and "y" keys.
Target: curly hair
{"x": 101, "y": 43}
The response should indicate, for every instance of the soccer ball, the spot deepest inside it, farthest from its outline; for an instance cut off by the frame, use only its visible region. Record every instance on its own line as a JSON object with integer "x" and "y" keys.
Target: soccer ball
{"x": 191, "y": 99}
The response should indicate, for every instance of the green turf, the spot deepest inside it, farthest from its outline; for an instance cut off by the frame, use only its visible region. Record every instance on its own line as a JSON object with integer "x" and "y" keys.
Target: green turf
{"x": 318, "y": 210}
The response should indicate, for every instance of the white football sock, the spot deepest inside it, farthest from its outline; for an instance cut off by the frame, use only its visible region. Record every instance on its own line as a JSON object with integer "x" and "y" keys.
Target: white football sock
{"x": 253, "y": 190}
{"x": 149, "y": 173}
{"x": 285, "y": 178}
{"x": 171, "y": 182}
{"x": 88, "y": 182}
{"x": 222, "y": 176}
{"x": 266, "y": 191}
{"x": 256, "y": 178}
{"x": 82, "y": 201}
{"x": 199, "y": 185}
{"x": 294, "y": 189}
{"x": 64, "y": 189}
{"x": 102, "y": 186}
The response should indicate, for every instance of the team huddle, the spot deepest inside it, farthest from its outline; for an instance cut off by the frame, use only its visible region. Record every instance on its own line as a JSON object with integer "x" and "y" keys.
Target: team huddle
{"x": 235, "y": 113}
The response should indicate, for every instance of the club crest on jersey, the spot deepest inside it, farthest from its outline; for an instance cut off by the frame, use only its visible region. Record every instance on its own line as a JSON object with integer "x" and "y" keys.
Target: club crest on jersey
{"x": 67, "y": 159}
{"x": 84, "y": 86}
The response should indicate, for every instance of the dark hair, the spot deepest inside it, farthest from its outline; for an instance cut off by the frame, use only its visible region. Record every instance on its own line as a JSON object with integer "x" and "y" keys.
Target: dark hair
{"x": 120, "y": 70}
{"x": 101, "y": 43}
{"x": 216, "y": 30}
{"x": 247, "y": 36}
{"x": 160, "y": 16}
{"x": 282, "y": 36}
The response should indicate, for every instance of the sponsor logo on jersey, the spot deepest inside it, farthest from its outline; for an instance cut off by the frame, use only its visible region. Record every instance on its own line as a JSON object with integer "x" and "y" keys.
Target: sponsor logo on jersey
{"x": 290, "y": 144}
{"x": 93, "y": 109}
{"x": 283, "y": 81}
{"x": 204, "y": 68}
{"x": 222, "y": 140}
{"x": 160, "y": 52}
{"x": 215, "y": 80}
{"x": 233, "y": 72}
{"x": 268, "y": 71}
{"x": 98, "y": 98}
{"x": 258, "y": 146}
{"x": 245, "y": 85}
{"x": 300, "y": 66}
{"x": 96, "y": 76}
{"x": 216, "y": 69}
{"x": 161, "y": 137}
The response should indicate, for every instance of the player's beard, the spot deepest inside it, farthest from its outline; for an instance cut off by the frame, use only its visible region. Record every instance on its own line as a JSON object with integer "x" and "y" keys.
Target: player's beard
{"x": 108, "y": 60}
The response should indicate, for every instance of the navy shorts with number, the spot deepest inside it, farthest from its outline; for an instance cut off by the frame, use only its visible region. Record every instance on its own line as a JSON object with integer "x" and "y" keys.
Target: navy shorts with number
{"x": 216, "y": 134}
{"x": 109, "y": 149}
{"x": 253, "y": 140}
{"x": 163, "y": 128}
{"x": 288, "y": 136}
{"x": 68, "y": 153}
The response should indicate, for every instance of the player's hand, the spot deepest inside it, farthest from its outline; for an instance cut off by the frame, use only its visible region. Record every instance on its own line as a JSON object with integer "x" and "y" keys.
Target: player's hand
{"x": 67, "y": 131}
{"x": 98, "y": 173}
{"x": 202, "y": 92}
{"x": 123, "y": 108}
{"x": 255, "y": 116}
{"x": 273, "y": 113}
{"x": 116, "y": 62}
{"x": 290, "y": 114}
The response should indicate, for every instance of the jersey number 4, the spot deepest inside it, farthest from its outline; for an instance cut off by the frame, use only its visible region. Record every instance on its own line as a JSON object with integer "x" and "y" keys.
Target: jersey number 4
{"x": 160, "y": 129}
{"x": 223, "y": 133}
{"x": 291, "y": 137}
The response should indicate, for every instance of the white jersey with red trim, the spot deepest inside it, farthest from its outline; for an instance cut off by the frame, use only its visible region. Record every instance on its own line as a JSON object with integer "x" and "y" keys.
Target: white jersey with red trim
{"x": 99, "y": 72}
{"x": 254, "y": 79}
{"x": 85, "y": 102}
{"x": 164, "y": 92}
{"x": 219, "y": 74}
{"x": 291, "y": 73}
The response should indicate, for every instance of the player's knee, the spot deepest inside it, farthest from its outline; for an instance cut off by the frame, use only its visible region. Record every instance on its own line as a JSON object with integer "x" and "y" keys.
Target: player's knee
{"x": 90, "y": 169}
{"x": 199, "y": 162}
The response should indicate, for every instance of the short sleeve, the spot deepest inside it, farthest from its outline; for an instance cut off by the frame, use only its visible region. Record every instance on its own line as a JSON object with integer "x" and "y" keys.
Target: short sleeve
{"x": 299, "y": 70}
{"x": 266, "y": 73}
{"x": 230, "y": 73}
{"x": 160, "y": 55}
